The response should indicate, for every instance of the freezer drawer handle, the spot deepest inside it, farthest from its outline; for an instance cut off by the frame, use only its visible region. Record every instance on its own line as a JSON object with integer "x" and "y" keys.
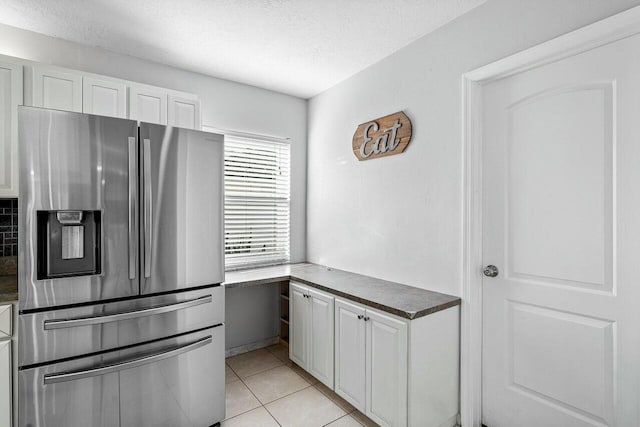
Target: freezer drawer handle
{"x": 103, "y": 370}
{"x": 95, "y": 320}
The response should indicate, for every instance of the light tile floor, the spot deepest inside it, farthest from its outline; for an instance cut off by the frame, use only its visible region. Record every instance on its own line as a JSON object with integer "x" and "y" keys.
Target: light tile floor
{"x": 264, "y": 389}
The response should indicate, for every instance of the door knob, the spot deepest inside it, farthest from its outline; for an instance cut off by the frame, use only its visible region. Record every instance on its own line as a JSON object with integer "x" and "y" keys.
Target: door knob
{"x": 490, "y": 271}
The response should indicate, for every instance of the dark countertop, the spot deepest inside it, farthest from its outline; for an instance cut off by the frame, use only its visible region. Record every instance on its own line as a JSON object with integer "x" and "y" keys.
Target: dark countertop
{"x": 402, "y": 300}
{"x": 8, "y": 288}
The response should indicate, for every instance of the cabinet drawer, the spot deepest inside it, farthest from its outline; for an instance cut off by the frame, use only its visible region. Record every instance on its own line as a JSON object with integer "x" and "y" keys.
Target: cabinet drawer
{"x": 5, "y": 321}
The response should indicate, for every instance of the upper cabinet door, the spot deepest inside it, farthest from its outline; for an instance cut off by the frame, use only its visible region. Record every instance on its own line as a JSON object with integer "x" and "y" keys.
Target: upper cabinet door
{"x": 56, "y": 89}
{"x": 184, "y": 112}
{"x": 147, "y": 104}
{"x": 10, "y": 98}
{"x": 104, "y": 98}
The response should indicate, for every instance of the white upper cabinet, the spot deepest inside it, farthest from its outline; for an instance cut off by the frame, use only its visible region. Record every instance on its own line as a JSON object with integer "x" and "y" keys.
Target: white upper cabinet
{"x": 148, "y": 104}
{"x": 104, "y": 97}
{"x": 50, "y": 87}
{"x": 184, "y": 112}
{"x": 10, "y": 98}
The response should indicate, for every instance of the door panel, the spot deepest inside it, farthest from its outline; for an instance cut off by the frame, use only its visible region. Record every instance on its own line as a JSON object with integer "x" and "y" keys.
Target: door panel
{"x": 299, "y": 324}
{"x": 56, "y": 89}
{"x": 147, "y": 105}
{"x": 321, "y": 317}
{"x": 104, "y": 98}
{"x": 72, "y": 161}
{"x": 386, "y": 369}
{"x": 561, "y": 211}
{"x": 350, "y": 350}
{"x": 184, "y": 113}
{"x": 549, "y": 169}
{"x": 181, "y": 199}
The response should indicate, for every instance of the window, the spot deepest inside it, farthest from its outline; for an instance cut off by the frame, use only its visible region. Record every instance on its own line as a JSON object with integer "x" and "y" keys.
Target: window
{"x": 256, "y": 203}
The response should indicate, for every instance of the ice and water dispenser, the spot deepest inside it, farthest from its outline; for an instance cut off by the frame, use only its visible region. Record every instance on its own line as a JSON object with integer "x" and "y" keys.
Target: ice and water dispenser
{"x": 68, "y": 243}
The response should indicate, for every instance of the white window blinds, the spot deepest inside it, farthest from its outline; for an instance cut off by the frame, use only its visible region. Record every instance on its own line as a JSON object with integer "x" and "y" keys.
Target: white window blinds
{"x": 256, "y": 202}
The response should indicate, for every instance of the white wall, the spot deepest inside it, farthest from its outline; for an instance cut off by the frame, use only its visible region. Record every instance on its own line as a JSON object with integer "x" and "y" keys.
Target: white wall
{"x": 225, "y": 104}
{"x": 400, "y": 218}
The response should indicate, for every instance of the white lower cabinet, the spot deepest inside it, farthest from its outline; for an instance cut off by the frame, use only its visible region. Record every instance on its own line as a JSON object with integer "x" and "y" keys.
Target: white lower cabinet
{"x": 398, "y": 372}
{"x": 371, "y": 362}
{"x": 350, "y": 359}
{"x": 5, "y": 383}
{"x": 311, "y": 331}
{"x": 6, "y": 372}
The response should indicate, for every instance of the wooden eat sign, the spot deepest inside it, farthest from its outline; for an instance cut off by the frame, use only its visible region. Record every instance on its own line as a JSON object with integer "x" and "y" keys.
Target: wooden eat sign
{"x": 381, "y": 137}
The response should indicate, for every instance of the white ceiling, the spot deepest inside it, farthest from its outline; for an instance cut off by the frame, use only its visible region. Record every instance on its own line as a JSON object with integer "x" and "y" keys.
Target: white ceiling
{"x": 298, "y": 47}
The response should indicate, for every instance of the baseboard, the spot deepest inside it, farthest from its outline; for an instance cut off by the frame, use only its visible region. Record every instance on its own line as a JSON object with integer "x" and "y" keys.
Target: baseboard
{"x": 251, "y": 346}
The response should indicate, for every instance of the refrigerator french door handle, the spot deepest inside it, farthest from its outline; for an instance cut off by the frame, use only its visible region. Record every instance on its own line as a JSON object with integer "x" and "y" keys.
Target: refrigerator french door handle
{"x": 133, "y": 197}
{"x": 103, "y": 370}
{"x": 127, "y": 315}
{"x": 148, "y": 214}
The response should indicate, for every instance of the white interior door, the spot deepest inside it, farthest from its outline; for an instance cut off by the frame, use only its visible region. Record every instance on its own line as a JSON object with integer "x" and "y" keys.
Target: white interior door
{"x": 561, "y": 209}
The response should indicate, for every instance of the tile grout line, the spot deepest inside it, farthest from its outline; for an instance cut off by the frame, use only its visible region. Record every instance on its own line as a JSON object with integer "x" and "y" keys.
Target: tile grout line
{"x": 259, "y": 401}
{"x": 263, "y": 405}
{"x": 338, "y": 419}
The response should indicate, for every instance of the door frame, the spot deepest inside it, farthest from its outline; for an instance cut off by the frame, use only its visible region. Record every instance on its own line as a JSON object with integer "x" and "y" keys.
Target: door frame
{"x": 608, "y": 30}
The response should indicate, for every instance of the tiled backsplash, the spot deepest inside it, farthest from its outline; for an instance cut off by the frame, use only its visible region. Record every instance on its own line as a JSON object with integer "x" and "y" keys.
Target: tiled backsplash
{"x": 8, "y": 227}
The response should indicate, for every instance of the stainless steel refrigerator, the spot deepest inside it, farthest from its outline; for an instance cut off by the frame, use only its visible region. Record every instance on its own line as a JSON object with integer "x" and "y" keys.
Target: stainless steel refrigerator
{"x": 121, "y": 262}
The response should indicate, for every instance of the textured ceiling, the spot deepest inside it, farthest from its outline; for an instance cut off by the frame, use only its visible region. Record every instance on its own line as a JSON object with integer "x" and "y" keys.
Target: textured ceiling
{"x": 298, "y": 47}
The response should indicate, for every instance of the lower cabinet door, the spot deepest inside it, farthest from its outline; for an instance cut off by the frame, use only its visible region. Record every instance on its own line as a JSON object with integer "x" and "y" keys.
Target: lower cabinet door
{"x": 350, "y": 381}
{"x": 5, "y": 383}
{"x": 298, "y": 325}
{"x": 386, "y": 370}
{"x": 321, "y": 337}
